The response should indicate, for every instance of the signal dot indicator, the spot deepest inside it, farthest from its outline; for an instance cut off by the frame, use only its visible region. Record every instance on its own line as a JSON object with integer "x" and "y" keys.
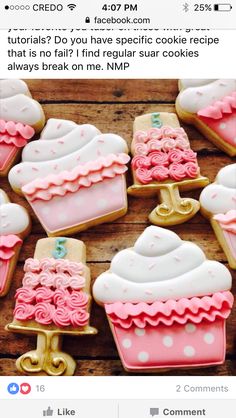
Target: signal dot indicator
{"x": 6, "y": 7}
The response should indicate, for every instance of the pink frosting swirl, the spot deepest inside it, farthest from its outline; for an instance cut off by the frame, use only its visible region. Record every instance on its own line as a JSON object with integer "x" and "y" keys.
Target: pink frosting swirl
{"x": 30, "y": 280}
{"x": 175, "y": 133}
{"x": 168, "y": 144}
{"x": 31, "y": 265}
{"x": 75, "y": 268}
{"x": 155, "y": 133}
{"x": 61, "y": 317}
{"x": 44, "y": 294}
{"x": 177, "y": 172}
{"x": 79, "y": 318}
{"x": 160, "y": 173}
{"x": 154, "y": 145}
{"x": 159, "y": 158}
{"x": 144, "y": 175}
{"x": 140, "y": 161}
{"x": 77, "y": 300}
{"x": 61, "y": 280}
{"x": 175, "y": 156}
{"x": 60, "y": 297}
{"x": 24, "y": 311}
{"x": 141, "y": 149}
{"x": 189, "y": 155}
{"x": 44, "y": 313}
{"x": 25, "y": 295}
{"x": 61, "y": 266}
{"x": 77, "y": 282}
{"x": 47, "y": 264}
{"x": 182, "y": 144}
{"x": 140, "y": 136}
{"x": 191, "y": 169}
{"x": 46, "y": 278}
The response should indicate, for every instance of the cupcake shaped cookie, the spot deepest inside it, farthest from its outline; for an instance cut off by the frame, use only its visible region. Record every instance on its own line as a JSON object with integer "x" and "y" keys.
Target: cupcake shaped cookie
{"x": 166, "y": 303}
{"x": 20, "y": 118}
{"x": 14, "y": 227}
{"x": 73, "y": 177}
{"x": 210, "y": 105}
{"x": 218, "y": 204}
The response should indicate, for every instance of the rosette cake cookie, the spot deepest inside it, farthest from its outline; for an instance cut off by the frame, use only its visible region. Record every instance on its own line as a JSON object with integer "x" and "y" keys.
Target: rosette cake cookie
{"x": 54, "y": 299}
{"x": 20, "y": 118}
{"x": 164, "y": 164}
{"x": 218, "y": 204}
{"x": 73, "y": 177}
{"x": 166, "y": 303}
{"x": 14, "y": 227}
{"x": 211, "y": 108}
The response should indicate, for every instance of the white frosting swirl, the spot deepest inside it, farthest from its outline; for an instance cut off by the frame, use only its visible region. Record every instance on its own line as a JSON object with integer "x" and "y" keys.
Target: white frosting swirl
{"x": 160, "y": 266}
{"x": 17, "y": 105}
{"x": 10, "y": 88}
{"x": 52, "y": 157}
{"x": 220, "y": 197}
{"x": 14, "y": 219}
{"x": 51, "y": 148}
{"x": 193, "y": 99}
{"x": 194, "y": 82}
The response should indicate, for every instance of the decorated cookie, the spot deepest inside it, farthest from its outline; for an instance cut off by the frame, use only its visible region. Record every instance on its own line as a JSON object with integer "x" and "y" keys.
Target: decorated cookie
{"x": 184, "y": 83}
{"x": 218, "y": 204}
{"x": 163, "y": 163}
{"x": 73, "y": 177}
{"x": 54, "y": 299}
{"x": 20, "y": 118}
{"x": 166, "y": 303}
{"x": 14, "y": 227}
{"x": 210, "y": 107}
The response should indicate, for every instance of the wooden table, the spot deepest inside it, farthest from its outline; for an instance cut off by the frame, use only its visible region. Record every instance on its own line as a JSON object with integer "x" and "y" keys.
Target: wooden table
{"x": 112, "y": 105}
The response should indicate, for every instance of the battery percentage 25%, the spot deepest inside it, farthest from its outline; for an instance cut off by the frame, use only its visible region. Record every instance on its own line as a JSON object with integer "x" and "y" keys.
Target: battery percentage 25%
{"x": 201, "y": 7}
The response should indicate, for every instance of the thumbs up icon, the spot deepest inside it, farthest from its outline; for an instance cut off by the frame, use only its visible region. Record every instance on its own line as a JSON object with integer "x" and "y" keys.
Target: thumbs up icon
{"x": 48, "y": 412}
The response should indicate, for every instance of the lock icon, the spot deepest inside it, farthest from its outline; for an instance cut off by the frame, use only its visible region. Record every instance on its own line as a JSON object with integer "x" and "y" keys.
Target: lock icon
{"x": 87, "y": 20}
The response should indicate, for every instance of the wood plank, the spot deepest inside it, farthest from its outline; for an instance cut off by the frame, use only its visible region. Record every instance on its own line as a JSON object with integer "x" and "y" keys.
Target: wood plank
{"x": 104, "y": 90}
{"x": 114, "y": 368}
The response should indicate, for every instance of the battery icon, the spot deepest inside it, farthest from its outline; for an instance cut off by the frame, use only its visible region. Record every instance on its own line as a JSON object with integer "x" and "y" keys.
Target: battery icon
{"x": 222, "y": 7}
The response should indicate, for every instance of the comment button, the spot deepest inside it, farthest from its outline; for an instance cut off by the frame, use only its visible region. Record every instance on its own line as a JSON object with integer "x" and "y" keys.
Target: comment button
{"x": 154, "y": 412}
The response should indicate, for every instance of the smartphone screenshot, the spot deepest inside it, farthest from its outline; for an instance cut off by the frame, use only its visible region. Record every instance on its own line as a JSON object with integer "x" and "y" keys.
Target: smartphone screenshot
{"x": 117, "y": 209}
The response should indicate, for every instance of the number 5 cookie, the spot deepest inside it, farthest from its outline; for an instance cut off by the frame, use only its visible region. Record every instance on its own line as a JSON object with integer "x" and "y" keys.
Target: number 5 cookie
{"x": 54, "y": 300}
{"x": 14, "y": 227}
{"x": 20, "y": 118}
{"x": 211, "y": 107}
{"x": 164, "y": 164}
